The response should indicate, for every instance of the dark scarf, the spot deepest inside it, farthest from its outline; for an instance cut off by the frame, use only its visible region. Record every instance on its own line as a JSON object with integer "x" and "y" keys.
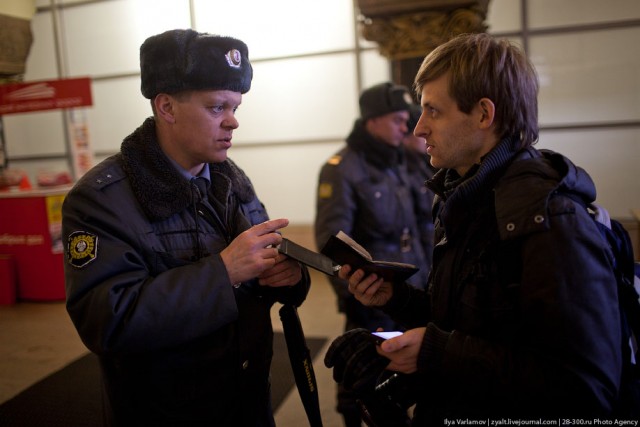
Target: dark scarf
{"x": 447, "y": 182}
{"x": 161, "y": 190}
{"x": 459, "y": 196}
{"x": 375, "y": 151}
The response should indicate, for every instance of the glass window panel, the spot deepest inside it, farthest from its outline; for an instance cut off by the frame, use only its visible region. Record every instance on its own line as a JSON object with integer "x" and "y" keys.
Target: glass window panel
{"x": 611, "y": 157}
{"x": 296, "y": 99}
{"x": 34, "y": 134}
{"x": 287, "y": 186}
{"x": 41, "y": 62}
{"x": 504, "y": 16}
{"x": 375, "y": 68}
{"x": 110, "y": 33}
{"x": 118, "y": 109}
{"x": 588, "y": 76}
{"x": 554, "y": 13}
{"x": 280, "y": 27}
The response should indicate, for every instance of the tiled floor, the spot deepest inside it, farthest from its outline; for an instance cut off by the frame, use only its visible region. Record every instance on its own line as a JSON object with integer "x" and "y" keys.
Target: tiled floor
{"x": 37, "y": 338}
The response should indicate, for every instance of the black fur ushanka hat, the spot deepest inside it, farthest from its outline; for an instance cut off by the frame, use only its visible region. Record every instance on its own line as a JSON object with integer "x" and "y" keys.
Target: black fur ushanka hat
{"x": 384, "y": 98}
{"x": 179, "y": 60}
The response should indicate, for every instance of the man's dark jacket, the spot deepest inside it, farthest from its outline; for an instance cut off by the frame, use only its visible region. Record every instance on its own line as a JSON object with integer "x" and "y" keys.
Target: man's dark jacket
{"x": 521, "y": 310}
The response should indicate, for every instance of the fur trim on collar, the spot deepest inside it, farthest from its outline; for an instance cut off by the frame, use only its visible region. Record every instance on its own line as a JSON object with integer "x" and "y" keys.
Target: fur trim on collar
{"x": 158, "y": 186}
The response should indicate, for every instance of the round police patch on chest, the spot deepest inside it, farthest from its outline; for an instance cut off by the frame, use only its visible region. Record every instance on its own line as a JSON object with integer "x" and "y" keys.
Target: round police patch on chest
{"x": 82, "y": 248}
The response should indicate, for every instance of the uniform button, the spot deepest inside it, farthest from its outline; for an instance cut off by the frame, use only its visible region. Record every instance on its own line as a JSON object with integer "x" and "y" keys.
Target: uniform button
{"x": 245, "y": 364}
{"x": 377, "y": 195}
{"x": 511, "y": 226}
{"x": 109, "y": 176}
{"x": 99, "y": 181}
{"x": 538, "y": 219}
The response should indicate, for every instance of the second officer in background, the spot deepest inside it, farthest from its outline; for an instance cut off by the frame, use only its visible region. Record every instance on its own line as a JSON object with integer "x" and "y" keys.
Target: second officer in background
{"x": 366, "y": 190}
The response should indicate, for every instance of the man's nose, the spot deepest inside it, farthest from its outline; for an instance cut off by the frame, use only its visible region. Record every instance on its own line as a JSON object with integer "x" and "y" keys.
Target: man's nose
{"x": 230, "y": 122}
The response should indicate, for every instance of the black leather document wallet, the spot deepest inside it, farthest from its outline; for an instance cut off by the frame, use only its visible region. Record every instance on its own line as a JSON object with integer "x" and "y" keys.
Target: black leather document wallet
{"x": 308, "y": 257}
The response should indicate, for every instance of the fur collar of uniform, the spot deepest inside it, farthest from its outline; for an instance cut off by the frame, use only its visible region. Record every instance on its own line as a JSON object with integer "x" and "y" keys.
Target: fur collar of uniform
{"x": 161, "y": 190}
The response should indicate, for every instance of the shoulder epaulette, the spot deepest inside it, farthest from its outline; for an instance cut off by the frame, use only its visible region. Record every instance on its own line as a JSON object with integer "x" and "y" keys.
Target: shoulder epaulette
{"x": 335, "y": 160}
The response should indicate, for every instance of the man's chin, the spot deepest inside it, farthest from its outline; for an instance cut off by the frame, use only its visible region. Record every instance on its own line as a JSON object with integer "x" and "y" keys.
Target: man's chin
{"x": 219, "y": 157}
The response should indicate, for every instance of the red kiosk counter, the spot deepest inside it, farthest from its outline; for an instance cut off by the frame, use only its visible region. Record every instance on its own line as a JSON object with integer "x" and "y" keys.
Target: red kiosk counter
{"x": 31, "y": 239}
{"x": 31, "y": 253}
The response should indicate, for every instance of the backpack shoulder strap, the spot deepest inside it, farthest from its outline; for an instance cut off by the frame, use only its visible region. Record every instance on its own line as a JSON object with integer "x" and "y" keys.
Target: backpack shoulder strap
{"x": 624, "y": 264}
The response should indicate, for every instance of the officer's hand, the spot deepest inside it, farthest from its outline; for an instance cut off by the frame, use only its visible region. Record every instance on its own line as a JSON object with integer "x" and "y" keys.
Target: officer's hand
{"x": 254, "y": 251}
{"x": 403, "y": 350}
{"x": 370, "y": 290}
{"x": 286, "y": 272}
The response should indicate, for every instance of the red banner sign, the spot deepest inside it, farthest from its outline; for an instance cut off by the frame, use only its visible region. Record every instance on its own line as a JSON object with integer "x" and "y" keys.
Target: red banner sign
{"x": 45, "y": 95}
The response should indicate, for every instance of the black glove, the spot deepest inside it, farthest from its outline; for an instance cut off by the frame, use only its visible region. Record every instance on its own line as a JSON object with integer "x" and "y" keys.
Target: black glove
{"x": 356, "y": 363}
{"x": 395, "y": 393}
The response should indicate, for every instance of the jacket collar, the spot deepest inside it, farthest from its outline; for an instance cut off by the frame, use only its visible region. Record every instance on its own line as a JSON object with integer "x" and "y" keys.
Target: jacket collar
{"x": 447, "y": 184}
{"x": 376, "y": 152}
{"x": 519, "y": 181}
{"x": 161, "y": 190}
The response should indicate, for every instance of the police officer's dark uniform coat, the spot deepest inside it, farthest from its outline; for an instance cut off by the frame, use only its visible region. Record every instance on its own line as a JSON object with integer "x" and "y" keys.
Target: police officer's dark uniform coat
{"x": 178, "y": 343}
{"x": 366, "y": 191}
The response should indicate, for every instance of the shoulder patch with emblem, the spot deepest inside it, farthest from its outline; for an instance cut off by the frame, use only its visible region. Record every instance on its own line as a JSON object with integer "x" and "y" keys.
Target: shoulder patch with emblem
{"x": 82, "y": 248}
{"x": 325, "y": 190}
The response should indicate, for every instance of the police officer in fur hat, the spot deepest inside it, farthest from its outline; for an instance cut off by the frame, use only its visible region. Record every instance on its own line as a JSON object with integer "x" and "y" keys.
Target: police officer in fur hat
{"x": 170, "y": 268}
{"x": 367, "y": 191}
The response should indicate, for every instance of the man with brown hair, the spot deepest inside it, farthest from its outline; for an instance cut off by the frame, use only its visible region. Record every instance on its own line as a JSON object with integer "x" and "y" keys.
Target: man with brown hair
{"x": 520, "y": 318}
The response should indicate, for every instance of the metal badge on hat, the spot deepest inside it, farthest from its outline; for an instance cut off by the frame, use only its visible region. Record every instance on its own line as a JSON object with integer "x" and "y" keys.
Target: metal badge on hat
{"x": 407, "y": 98}
{"x": 234, "y": 58}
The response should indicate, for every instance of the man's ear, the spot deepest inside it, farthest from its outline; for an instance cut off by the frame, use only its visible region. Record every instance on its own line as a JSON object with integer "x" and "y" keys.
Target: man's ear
{"x": 164, "y": 107}
{"x": 486, "y": 111}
